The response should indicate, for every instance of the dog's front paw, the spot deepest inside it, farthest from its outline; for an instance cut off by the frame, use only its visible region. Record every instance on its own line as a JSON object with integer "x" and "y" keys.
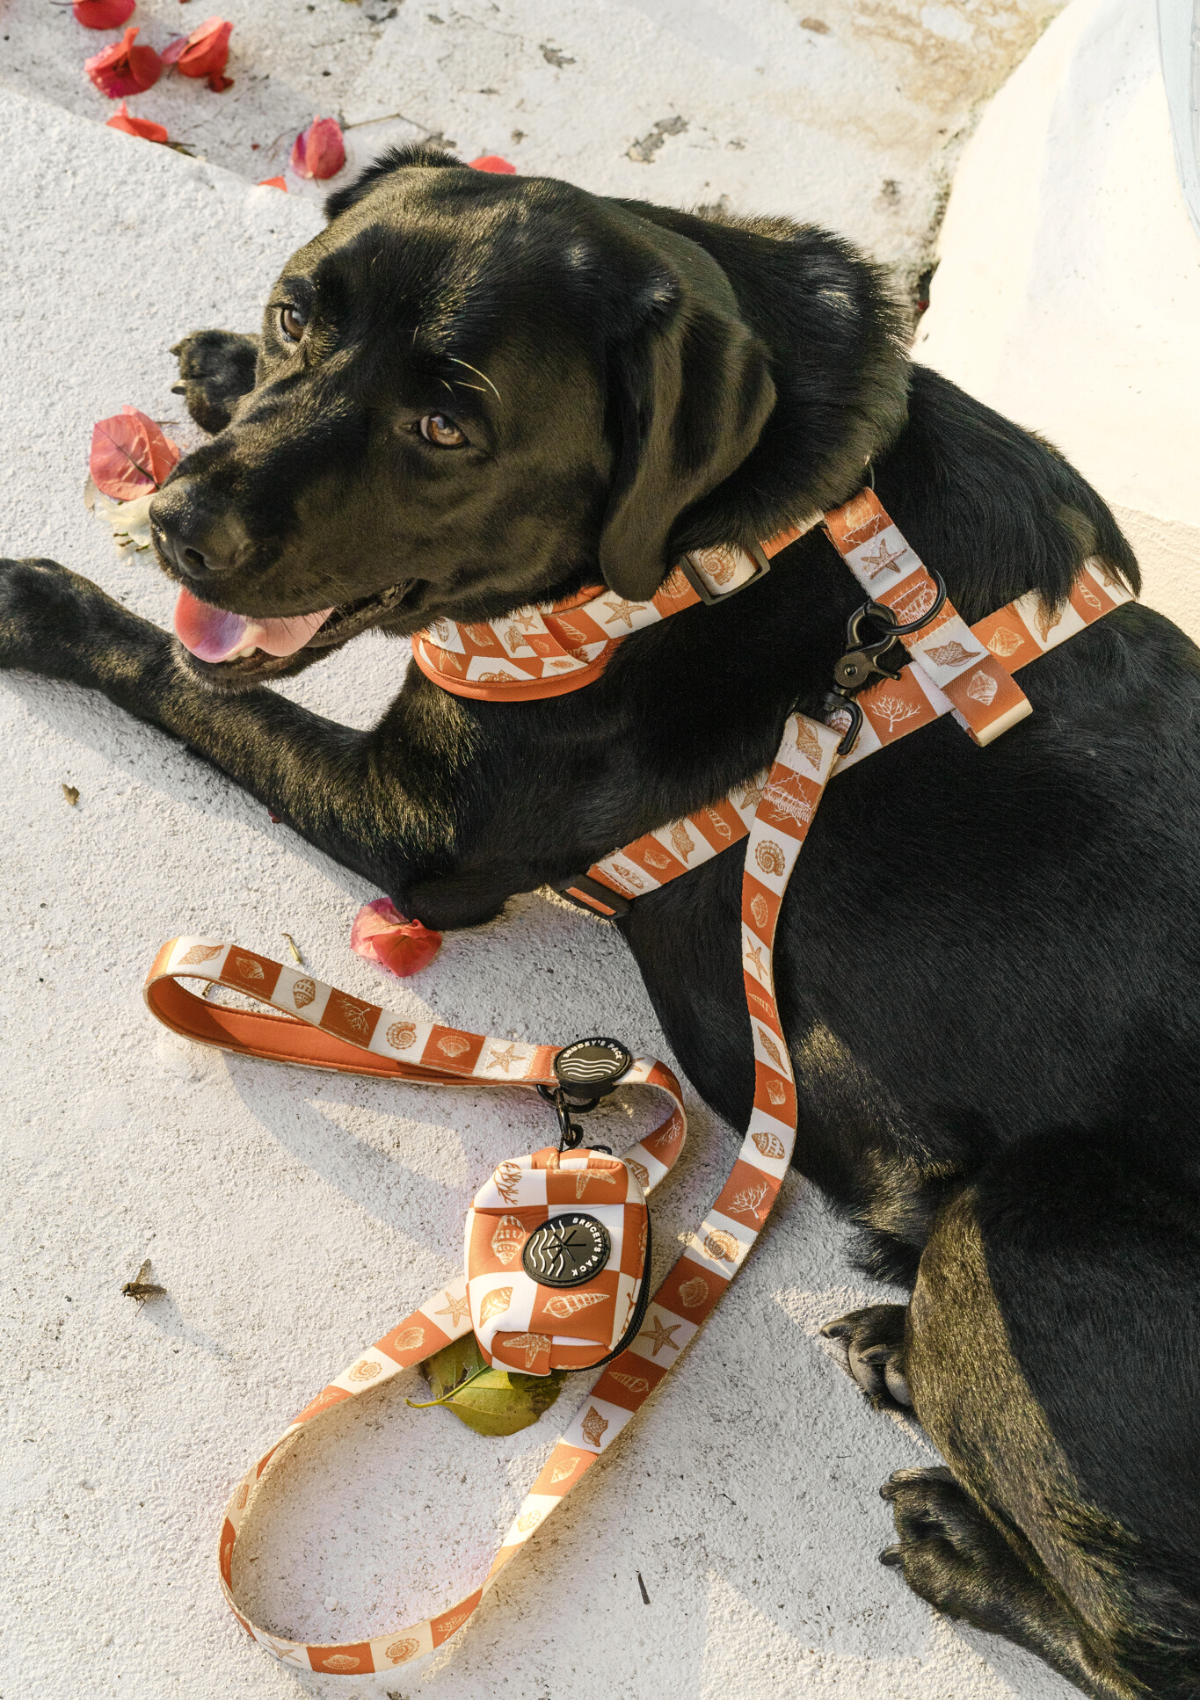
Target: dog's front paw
{"x": 217, "y": 369}
{"x": 63, "y": 626}
{"x": 950, "y": 1552}
{"x": 874, "y": 1341}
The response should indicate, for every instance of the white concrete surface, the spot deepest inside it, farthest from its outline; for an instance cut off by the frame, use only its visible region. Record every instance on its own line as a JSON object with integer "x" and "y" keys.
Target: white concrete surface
{"x": 1068, "y": 293}
{"x": 293, "y": 1217}
{"x": 835, "y": 110}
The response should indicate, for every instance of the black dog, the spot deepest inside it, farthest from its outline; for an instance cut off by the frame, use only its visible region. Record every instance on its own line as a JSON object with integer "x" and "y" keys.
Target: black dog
{"x": 472, "y": 393}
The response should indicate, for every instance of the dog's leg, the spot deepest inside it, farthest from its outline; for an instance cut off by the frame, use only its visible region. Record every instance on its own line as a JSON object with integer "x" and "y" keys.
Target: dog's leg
{"x": 216, "y": 369}
{"x": 953, "y": 1556}
{"x": 874, "y": 1341}
{"x": 383, "y": 819}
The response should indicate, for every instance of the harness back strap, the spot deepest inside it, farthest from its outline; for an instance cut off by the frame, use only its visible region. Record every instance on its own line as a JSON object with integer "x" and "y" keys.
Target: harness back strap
{"x": 1001, "y": 643}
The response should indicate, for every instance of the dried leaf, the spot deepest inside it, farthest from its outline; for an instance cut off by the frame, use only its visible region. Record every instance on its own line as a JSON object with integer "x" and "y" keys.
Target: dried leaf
{"x": 319, "y": 151}
{"x": 382, "y": 935}
{"x": 71, "y": 793}
{"x": 490, "y": 1401}
{"x": 130, "y": 456}
{"x": 291, "y": 943}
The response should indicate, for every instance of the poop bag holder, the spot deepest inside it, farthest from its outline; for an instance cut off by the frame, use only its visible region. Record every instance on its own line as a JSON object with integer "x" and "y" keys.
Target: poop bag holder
{"x": 556, "y": 1261}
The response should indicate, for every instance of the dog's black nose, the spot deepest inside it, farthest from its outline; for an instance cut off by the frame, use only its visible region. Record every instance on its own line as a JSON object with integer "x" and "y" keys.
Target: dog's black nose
{"x": 192, "y": 535}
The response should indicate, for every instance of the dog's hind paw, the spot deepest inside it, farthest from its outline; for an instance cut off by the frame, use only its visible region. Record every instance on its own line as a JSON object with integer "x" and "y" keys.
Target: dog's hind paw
{"x": 950, "y": 1552}
{"x": 874, "y": 1341}
{"x": 216, "y": 369}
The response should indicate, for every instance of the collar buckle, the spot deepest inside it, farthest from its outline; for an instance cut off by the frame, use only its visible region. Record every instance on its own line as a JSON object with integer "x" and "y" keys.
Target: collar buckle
{"x": 699, "y": 573}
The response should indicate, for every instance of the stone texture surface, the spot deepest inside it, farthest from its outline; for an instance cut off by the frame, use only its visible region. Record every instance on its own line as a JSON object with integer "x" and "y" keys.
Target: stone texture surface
{"x": 839, "y": 111}
{"x": 292, "y": 1217}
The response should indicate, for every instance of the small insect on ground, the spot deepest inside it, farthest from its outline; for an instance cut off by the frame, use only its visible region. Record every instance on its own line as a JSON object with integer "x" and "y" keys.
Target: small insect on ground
{"x": 140, "y": 1288}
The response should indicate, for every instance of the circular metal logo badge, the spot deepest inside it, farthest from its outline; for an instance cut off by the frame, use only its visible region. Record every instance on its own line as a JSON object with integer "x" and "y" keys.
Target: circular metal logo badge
{"x": 566, "y": 1250}
{"x": 592, "y": 1065}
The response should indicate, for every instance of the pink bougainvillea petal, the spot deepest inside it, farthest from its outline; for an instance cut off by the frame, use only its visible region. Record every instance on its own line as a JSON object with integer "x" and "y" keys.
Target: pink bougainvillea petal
{"x": 123, "y": 119}
{"x": 492, "y": 162}
{"x": 382, "y": 935}
{"x": 173, "y": 49}
{"x": 319, "y": 151}
{"x": 203, "y": 53}
{"x": 273, "y": 183}
{"x": 102, "y": 14}
{"x": 130, "y": 455}
{"x": 123, "y": 68}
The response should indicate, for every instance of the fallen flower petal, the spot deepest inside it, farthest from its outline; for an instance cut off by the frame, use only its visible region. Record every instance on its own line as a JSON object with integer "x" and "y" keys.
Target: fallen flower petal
{"x": 203, "y": 53}
{"x": 319, "y": 151}
{"x": 129, "y": 521}
{"x": 382, "y": 935}
{"x": 102, "y": 14}
{"x": 273, "y": 183}
{"x": 123, "y": 119}
{"x": 130, "y": 456}
{"x": 492, "y": 162}
{"x": 124, "y": 69}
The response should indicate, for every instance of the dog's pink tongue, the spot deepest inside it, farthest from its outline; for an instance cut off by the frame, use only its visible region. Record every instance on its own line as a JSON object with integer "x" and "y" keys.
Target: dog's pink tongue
{"x": 213, "y": 634}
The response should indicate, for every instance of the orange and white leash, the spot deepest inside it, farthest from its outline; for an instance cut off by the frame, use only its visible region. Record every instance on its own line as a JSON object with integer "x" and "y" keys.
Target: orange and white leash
{"x": 954, "y": 669}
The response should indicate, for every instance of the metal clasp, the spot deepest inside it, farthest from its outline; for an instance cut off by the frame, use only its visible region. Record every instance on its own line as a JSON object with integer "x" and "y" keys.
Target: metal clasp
{"x": 863, "y": 662}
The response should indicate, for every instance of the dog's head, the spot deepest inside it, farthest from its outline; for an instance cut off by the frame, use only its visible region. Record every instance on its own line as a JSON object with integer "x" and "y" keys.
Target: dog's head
{"x": 476, "y": 390}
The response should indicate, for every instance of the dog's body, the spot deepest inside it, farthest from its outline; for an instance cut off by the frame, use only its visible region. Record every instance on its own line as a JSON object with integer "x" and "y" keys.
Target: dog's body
{"x": 987, "y": 961}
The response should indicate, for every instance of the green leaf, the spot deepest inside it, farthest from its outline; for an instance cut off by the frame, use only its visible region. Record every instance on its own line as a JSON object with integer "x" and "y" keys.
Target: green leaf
{"x": 491, "y": 1401}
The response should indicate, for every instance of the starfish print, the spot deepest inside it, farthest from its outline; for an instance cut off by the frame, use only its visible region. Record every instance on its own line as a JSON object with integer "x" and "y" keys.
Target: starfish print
{"x": 662, "y": 1336}
{"x": 753, "y": 958}
{"x": 881, "y": 560}
{"x": 619, "y": 609}
{"x": 456, "y": 1309}
{"x": 504, "y": 1058}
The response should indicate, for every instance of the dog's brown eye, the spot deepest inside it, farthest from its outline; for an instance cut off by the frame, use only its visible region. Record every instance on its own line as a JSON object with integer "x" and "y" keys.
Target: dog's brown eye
{"x": 436, "y": 428}
{"x": 292, "y": 322}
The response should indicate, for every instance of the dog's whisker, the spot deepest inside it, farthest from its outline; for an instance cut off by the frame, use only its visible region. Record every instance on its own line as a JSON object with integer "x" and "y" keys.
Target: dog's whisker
{"x": 491, "y": 386}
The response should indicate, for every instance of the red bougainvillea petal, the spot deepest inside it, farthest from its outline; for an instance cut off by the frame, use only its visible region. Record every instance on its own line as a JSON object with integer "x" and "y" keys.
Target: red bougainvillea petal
{"x": 319, "y": 151}
{"x": 102, "y": 14}
{"x": 382, "y": 935}
{"x": 123, "y": 119}
{"x": 124, "y": 69}
{"x": 273, "y": 183}
{"x": 130, "y": 455}
{"x": 492, "y": 162}
{"x": 204, "y": 51}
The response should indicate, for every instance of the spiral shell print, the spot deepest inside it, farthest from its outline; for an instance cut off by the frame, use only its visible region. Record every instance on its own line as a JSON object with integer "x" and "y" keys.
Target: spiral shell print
{"x": 303, "y": 992}
{"x": 808, "y": 744}
{"x": 200, "y": 953}
{"x": 494, "y": 1303}
{"x": 635, "y": 1383}
{"x": 769, "y": 856}
{"x": 509, "y": 1237}
{"x": 365, "y": 1370}
{"x": 401, "y": 1651}
{"x": 770, "y": 1047}
{"x": 570, "y": 1304}
{"x": 982, "y": 688}
{"x": 769, "y": 1144}
{"x": 402, "y": 1035}
{"x": 721, "y": 1247}
{"x": 248, "y": 969}
{"x": 593, "y": 1426}
{"x": 951, "y": 654}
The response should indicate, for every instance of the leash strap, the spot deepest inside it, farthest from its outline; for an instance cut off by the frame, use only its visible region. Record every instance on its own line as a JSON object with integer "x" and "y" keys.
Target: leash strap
{"x": 1015, "y": 635}
{"x": 324, "y": 1028}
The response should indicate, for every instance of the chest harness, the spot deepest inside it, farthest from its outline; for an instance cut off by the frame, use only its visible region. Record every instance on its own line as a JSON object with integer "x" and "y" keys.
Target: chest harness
{"x": 557, "y": 1243}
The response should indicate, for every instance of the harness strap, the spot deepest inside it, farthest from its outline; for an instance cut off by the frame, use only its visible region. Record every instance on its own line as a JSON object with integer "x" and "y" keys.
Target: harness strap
{"x": 1015, "y": 635}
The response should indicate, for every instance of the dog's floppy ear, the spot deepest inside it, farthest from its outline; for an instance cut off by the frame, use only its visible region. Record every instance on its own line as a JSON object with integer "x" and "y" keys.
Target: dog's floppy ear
{"x": 391, "y": 159}
{"x": 690, "y": 390}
